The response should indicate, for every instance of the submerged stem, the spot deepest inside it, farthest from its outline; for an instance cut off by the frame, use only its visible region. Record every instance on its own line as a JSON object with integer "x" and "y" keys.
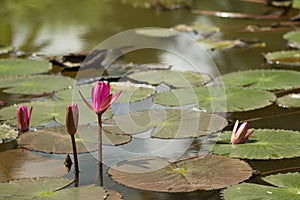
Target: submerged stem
{"x": 75, "y": 160}
{"x": 100, "y": 170}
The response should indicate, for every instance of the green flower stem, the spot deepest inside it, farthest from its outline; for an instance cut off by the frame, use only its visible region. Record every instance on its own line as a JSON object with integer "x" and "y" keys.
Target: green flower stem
{"x": 100, "y": 165}
{"x": 75, "y": 160}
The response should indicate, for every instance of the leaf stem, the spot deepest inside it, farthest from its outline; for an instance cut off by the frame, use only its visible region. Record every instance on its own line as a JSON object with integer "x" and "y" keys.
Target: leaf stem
{"x": 276, "y": 170}
{"x": 75, "y": 160}
{"x": 271, "y": 116}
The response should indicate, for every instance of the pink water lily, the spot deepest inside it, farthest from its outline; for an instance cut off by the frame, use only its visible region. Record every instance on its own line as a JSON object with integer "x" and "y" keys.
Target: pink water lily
{"x": 72, "y": 116}
{"x": 101, "y": 97}
{"x": 239, "y": 134}
{"x": 23, "y": 118}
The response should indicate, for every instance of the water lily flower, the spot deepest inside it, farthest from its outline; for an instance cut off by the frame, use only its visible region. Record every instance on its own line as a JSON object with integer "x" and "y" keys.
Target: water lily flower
{"x": 239, "y": 134}
{"x": 101, "y": 97}
{"x": 72, "y": 116}
{"x": 23, "y": 118}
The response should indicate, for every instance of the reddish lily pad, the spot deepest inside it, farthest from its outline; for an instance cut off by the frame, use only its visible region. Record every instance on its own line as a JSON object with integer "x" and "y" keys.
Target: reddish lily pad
{"x": 20, "y": 163}
{"x": 156, "y": 174}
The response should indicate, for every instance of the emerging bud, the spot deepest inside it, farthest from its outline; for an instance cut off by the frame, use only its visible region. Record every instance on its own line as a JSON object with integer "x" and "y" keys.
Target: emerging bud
{"x": 239, "y": 134}
{"x": 23, "y": 118}
{"x": 72, "y": 116}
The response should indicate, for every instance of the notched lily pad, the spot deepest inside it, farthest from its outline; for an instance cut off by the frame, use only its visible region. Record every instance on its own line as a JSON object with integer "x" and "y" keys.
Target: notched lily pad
{"x": 207, "y": 173}
{"x": 19, "y": 163}
{"x": 171, "y": 77}
{"x": 263, "y": 79}
{"x": 263, "y": 144}
{"x": 36, "y": 85}
{"x": 289, "y": 101}
{"x": 57, "y": 140}
{"x": 47, "y": 188}
{"x": 284, "y": 186}
{"x": 21, "y": 67}
{"x": 289, "y": 57}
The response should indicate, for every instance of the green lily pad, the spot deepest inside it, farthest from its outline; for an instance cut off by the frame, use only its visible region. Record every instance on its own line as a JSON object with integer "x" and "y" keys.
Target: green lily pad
{"x": 36, "y": 85}
{"x": 57, "y": 140}
{"x": 197, "y": 27}
{"x": 169, "y": 123}
{"x": 47, "y": 188}
{"x": 156, "y": 32}
{"x": 45, "y": 111}
{"x": 19, "y": 163}
{"x": 220, "y": 45}
{"x": 289, "y": 101}
{"x": 263, "y": 144}
{"x": 21, "y": 67}
{"x": 171, "y": 77}
{"x": 156, "y": 174}
{"x": 293, "y": 38}
{"x": 7, "y": 134}
{"x": 284, "y": 186}
{"x": 289, "y": 57}
{"x": 130, "y": 92}
{"x": 263, "y": 79}
{"x": 5, "y": 49}
{"x": 215, "y": 99}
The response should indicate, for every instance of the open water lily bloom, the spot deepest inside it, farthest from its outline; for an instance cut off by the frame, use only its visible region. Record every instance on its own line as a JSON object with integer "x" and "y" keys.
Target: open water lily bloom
{"x": 23, "y": 118}
{"x": 101, "y": 97}
{"x": 239, "y": 133}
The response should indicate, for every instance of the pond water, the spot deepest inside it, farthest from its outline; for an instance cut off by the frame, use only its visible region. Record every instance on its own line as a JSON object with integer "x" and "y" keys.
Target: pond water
{"x": 52, "y": 27}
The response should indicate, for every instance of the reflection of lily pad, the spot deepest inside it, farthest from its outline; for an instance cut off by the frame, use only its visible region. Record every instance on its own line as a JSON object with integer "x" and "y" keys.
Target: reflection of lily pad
{"x": 263, "y": 79}
{"x": 156, "y": 32}
{"x": 284, "y": 186}
{"x": 20, "y": 67}
{"x": 210, "y": 172}
{"x": 171, "y": 77}
{"x": 57, "y": 140}
{"x": 289, "y": 101}
{"x": 36, "y": 85}
{"x": 130, "y": 92}
{"x": 20, "y": 163}
{"x": 169, "y": 123}
{"x": 47, "y": 188}
{"x": 293, "y": 38}
{"x": 45, "y": 111}
{"x": 290, "y": 57}
{"x": 7, "y": 134}
{"x": 215, "y": 99}
{"x": 263, "y": 144}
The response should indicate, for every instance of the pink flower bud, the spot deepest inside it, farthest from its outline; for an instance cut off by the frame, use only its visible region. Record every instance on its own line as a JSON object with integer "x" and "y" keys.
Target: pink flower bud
{"x": 239, "y": 134}
{"x": 72, "y": 116}
{"x": 23, "y": 118}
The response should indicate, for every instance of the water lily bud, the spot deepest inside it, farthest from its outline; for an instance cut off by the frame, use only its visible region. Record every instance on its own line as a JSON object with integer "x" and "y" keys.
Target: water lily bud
{"x": 23, "y": 118}
{"x": 239, "y": 133}
{"x": 72, "y": 116}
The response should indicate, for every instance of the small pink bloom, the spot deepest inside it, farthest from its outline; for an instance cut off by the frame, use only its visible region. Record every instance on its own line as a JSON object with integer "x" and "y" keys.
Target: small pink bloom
{"x": 239, "y": 134}
{"x": 72, "y": 116}
{"x": 23, "y": 118}
{"x": 101, "y": 97}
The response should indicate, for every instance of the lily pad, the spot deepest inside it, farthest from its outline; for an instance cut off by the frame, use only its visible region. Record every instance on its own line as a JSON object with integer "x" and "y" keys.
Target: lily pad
{"x": 289, "y": 101}
{"x": 207, "y": 173}
{"x": 36, "y": 85}
{"x": 215, "y": 99}
{"x": 46, "y": 111}
{"x": 130, "y": 92}
{"x": 263, "y": 79}
{"x": 5, "y": 49}
{"x": 21, "y": 67}
{"x": 284, "y": 186}
{"x": 48, "y": 188}
{"x": 169, "y": 123}
{"x": 19, "y": 163}
{"x": 7, "y": 134}
{"x": 293, "y": 38}
{"x": 289, "y": 57}
{"x": 57, "y": 140}
{"x": 263, "y": 144}
{"x": 171, "y": 77}
{"x": 197, "y": 27}
{"x": 156, "y": 32}
{"x": 220, "y": 45}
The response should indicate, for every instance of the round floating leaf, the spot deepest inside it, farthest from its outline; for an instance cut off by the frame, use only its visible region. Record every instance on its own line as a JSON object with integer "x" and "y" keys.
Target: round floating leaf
{"x": 171, "y": 77}
{"x": 18, "y": 163}
{"x": 7, "y": 134}
{"x": 208, "y": 173}
{"x": 201, "y": 28}
{"x": 169, "y": 124}
{"x": 45, "y": 111}
{"x": 130, "y": 92}
{"x": 21, "y": 67}
{"x": 293, "y": 38}
{"x": 36, "y": 85}
{"x": 47, "y": 188}
{"x": 215, "y": 99}
{"x": 5, "y": 50}
{"x": 221, "y": 45}
{"x": 263, "y": 79}
{"x": 57, "y": 140}
{"x": 285, "y": 186}
{"x": 290, "y": 57}
{"x": 289, "y": 101}
{"x": 156, "y": 32}
{"x": 263, "y": 144}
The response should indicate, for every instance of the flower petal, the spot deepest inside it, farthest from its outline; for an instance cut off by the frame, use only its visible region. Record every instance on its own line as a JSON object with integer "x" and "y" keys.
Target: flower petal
{"x": 85, "y": 101}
